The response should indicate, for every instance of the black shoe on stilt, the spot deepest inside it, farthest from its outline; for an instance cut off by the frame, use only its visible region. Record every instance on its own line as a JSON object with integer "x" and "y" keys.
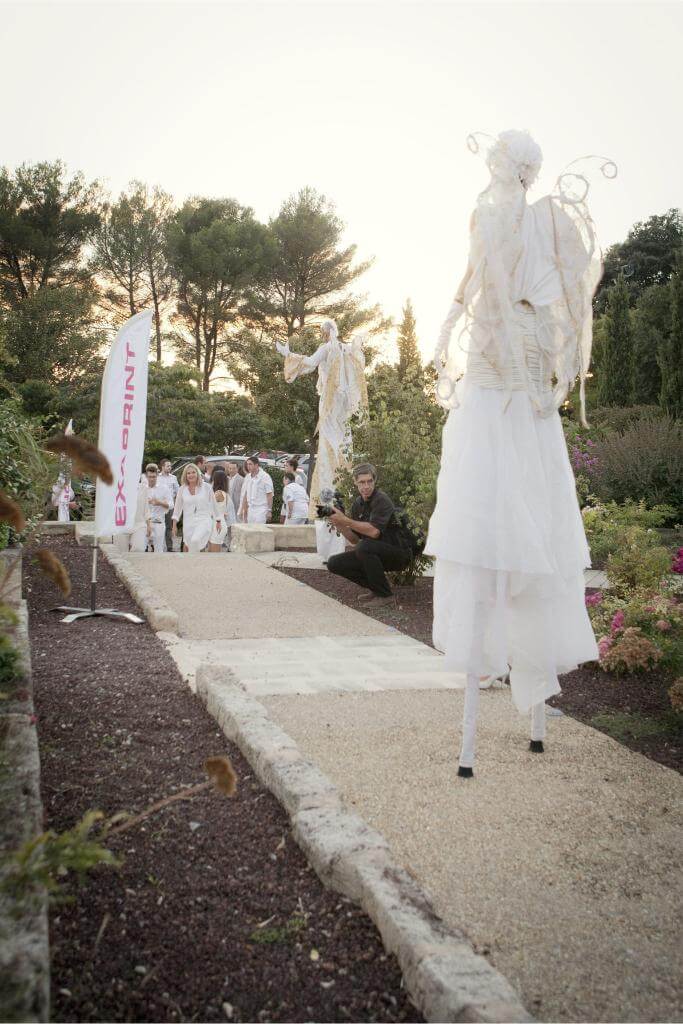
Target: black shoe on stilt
{"x": 464, "y": 773}
{"x": 536, "y": 746}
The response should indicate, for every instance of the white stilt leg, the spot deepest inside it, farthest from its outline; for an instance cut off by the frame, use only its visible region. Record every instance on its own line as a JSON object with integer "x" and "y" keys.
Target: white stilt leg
{"x": 538, "y": 721}
{"x": 469, "y": 722}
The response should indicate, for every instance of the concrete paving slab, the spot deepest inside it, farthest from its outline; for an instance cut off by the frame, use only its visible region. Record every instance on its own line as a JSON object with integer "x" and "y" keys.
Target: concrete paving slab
{"x": 234, "y": 596}
{"x": 564, "y": 867}
{"x": 596, "y": 578}
{"x": 316, "y": 664}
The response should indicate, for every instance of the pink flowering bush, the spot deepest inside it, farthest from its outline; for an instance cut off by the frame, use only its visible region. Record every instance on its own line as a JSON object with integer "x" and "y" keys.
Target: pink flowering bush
{"x": 630, "y": 651}
{"x": 677, "y": 564}
{"x": 638, "y": 632}
{"x": 617, "y": 622}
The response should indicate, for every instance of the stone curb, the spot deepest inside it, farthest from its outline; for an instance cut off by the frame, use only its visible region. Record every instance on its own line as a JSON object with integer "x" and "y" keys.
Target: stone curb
{"x": 24, "y": 936}
{"x": 446, "y": 979}
{"x": 159, "y": 615}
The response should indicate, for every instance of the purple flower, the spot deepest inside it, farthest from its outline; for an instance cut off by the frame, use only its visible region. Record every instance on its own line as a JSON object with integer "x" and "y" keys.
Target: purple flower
{"x": 593, "y": 599}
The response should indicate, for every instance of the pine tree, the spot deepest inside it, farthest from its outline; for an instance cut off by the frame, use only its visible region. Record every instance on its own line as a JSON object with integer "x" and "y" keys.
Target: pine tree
{"x": 647, "y": 379}
{"x": 409, "y": 362}
{"x": 671, "y": 349}
{"x": 616, "y": 363}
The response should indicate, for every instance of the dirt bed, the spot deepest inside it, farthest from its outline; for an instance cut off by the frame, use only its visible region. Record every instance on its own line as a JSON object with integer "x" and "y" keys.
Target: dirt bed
{"x": 635, "y": 710}
{"x": 215, "y": 914}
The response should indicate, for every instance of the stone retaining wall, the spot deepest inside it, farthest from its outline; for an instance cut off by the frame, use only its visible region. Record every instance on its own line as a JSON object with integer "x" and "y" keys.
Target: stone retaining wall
{"x": 24, "y": 945}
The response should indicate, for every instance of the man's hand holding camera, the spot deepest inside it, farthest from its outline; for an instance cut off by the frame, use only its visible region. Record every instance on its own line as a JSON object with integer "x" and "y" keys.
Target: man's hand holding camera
{"x": 352, "y": 529}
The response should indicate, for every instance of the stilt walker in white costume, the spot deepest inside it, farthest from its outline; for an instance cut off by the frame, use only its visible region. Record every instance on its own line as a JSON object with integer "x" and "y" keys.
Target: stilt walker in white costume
{"x": 507, "y": 532}
{"x": 343, "y": 391}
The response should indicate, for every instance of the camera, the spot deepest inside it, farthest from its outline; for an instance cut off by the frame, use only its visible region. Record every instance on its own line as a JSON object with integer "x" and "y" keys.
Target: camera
{"x": 330, "y": 502}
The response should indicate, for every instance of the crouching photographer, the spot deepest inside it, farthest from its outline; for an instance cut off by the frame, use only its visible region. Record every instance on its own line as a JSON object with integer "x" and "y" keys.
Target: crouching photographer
{"x": 376, "y": 538}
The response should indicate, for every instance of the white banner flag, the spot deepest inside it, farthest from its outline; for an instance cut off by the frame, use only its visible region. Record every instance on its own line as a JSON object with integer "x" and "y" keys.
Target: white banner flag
{"x": 123, "y": 413}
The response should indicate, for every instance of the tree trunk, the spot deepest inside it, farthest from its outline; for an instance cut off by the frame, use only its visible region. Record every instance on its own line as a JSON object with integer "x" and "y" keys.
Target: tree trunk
{"x": 157, "y": 311}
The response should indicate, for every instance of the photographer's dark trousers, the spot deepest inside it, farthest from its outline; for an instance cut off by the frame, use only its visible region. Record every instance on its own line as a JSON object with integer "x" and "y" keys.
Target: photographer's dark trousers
{"x": 365, "y": 564}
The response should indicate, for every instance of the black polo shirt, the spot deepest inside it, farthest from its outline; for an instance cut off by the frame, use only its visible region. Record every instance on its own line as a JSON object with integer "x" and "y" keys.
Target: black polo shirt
{"x": 380, "y": 511}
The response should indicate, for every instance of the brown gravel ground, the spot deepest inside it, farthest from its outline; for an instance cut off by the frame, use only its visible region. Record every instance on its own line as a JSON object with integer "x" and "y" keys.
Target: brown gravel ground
{"x": 215, "y": 913}
{"x": 601, "y": 699}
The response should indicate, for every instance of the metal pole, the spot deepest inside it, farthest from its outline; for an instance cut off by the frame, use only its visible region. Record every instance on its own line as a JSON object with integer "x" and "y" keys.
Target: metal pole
{"x": 93, "y": 578}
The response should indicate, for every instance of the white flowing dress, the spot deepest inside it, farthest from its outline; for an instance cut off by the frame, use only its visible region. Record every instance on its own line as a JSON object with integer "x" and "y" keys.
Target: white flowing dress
{"x": 507, "y": 531}
{"x": 225, "y": 511}
{"x": 197, "y": 511}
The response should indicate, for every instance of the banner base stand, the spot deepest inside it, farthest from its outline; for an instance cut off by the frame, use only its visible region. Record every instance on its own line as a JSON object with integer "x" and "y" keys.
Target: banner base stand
{"x": 84, "y": 613}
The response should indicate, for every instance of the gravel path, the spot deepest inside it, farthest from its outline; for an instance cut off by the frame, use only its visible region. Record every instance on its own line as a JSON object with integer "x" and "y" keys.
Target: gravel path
{"x": 565, "y": 869}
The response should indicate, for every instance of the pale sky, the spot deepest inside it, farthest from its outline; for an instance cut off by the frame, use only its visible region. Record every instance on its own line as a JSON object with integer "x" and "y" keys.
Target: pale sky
{"x": 368, "y": 103}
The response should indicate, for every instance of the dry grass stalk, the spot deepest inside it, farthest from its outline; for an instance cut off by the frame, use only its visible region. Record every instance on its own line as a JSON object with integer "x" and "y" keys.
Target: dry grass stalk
{"x": 86, "y": 457}
{"x": 11, "y": 513}
{"x": 221, "y": 774}
{"x": 54, "y": 569}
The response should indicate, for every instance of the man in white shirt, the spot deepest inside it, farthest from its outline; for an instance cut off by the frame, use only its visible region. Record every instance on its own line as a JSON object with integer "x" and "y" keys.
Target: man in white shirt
{"x": 292, "y": 466}
{"x": 203, "y": 467}
{"x": 167, "y": 477}
{"x": 235, "y": 482}
{"x": 294, "y": 502}
{"x": 257, "y": 493}
{"x": 159, "y": 502}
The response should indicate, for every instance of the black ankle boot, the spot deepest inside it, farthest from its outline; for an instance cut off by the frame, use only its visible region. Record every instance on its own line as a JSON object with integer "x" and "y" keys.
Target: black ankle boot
{"x": 536, "y": 746}
{"x": 464, "y": 773}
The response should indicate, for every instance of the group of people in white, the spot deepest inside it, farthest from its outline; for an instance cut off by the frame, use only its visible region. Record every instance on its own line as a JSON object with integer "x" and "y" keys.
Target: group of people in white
{"x": 208, "y": 500}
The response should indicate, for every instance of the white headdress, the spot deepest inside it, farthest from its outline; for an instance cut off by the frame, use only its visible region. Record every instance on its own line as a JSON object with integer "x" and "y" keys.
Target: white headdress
{"x": 329, "y": 330}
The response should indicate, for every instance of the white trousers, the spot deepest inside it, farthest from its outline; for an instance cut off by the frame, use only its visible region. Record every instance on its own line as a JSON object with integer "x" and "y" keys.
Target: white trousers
{"x": 469, "y": 721}
{"x": 138, "y": 538}
{"x": 158, "y": 537}
{"x": 257, "y": 515}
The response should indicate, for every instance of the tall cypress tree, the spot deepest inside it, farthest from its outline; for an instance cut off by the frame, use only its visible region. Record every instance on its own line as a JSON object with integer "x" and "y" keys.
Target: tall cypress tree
{"x": 409, "y": 361}
{"x": 616, "y": 363}
{"x": 671, "y": 348}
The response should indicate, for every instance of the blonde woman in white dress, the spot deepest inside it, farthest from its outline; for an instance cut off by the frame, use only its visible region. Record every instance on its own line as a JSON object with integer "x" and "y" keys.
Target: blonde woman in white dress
{"x": 195, "y": 503}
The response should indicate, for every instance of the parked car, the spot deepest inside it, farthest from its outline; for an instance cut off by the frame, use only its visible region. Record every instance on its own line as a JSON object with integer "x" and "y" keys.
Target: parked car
{"x": 303, "y": 461}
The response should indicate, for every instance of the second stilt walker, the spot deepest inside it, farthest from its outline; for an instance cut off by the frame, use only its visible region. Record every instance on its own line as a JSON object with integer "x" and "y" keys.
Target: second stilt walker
{"x": 507, "y": 531}
{"x": 342, "y": 390}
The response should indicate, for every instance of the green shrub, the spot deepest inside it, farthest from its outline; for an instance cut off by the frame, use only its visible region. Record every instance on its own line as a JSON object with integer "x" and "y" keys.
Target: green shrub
{"x": 277, "y": 476}
{"x": 616, "y": 419}
{"x": 50, "y": 857}
{"x": 644, "y": 463}
{"x": 10, "y": 662}
{"x": 637, "y": 564}
{"x": 26, "y": 474}
{"x": 606, "y": 523}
